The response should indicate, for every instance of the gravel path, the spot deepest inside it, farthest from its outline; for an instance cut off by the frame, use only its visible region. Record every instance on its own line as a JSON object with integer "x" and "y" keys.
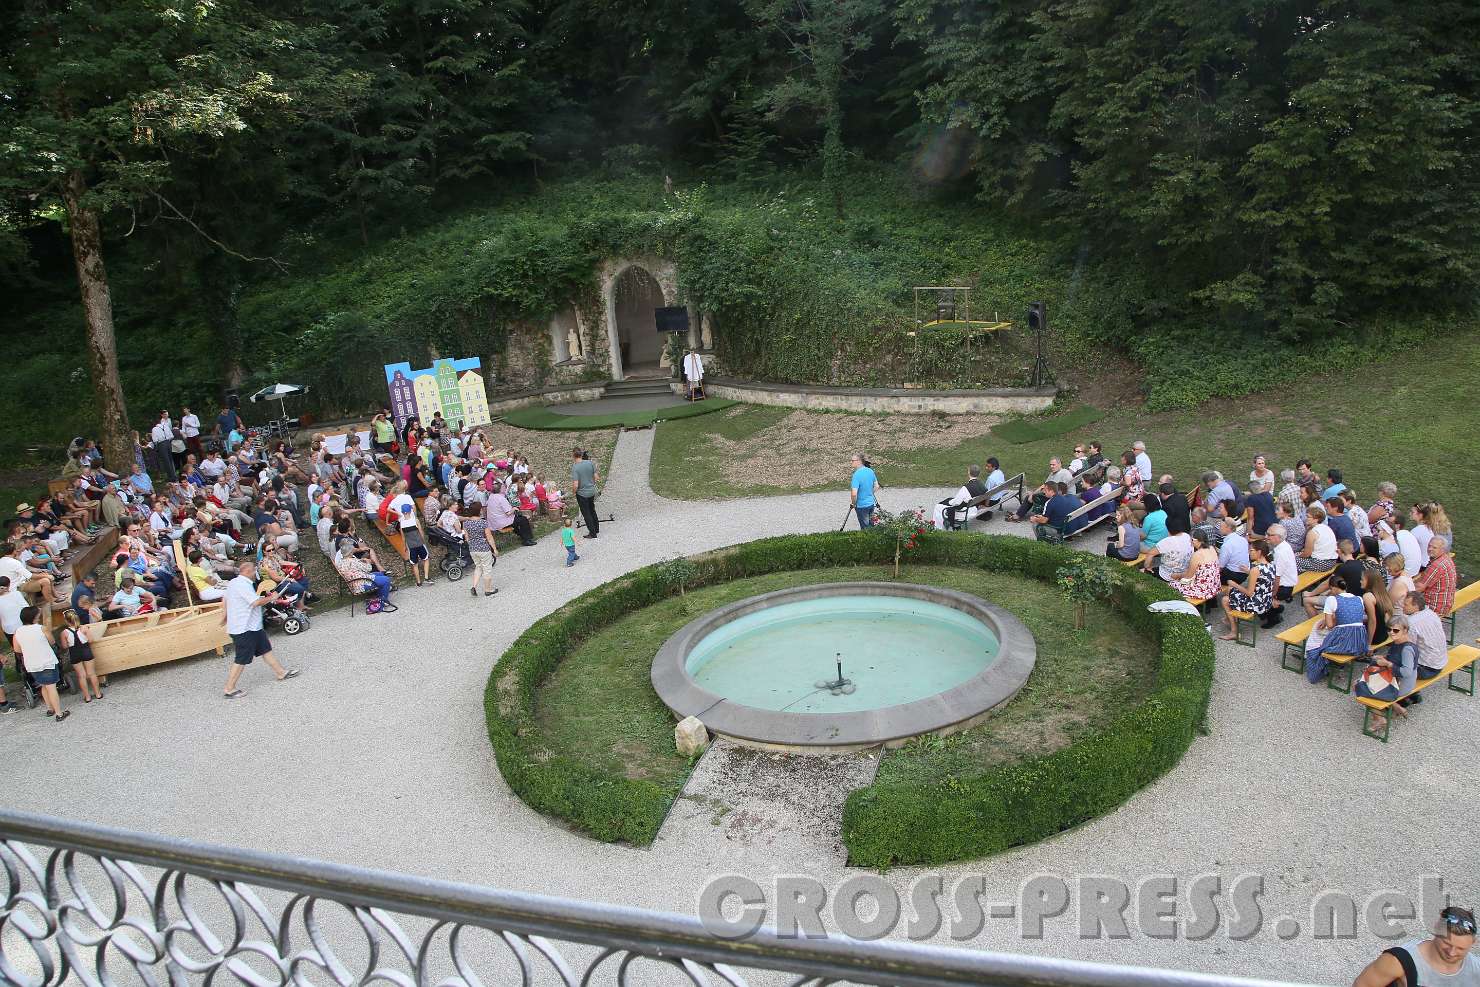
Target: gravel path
{"x": 377, "y": 756}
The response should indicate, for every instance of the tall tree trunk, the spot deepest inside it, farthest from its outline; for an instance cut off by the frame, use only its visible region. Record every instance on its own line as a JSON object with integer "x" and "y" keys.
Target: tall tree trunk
{"x": 828, "y": 64}
{"x": 97, "y": 308}
{"x": 219, "y": 286}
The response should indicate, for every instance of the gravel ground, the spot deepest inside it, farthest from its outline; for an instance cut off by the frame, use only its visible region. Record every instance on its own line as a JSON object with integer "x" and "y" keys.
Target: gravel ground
{"x": 377, "y": 756}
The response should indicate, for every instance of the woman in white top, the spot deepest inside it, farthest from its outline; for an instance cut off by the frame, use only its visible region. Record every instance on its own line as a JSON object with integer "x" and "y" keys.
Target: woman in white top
{"x": 1319, "y": 553}
{"x": 1421, "y": 532}
{"x": 1400, "y": 584}
{"x": 33, "y": 644}
{"x": 1262, "y": 474}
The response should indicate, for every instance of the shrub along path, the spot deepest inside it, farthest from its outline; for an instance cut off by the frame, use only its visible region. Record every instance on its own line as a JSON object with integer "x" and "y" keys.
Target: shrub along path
{"x": 378, "y": 755}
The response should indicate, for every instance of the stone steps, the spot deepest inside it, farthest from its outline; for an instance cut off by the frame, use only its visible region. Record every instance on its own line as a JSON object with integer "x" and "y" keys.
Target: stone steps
{"x": 638, "y": 386}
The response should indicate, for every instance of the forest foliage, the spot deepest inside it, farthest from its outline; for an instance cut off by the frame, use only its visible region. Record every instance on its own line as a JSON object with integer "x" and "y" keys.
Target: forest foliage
{"x": 1228, "y": 192}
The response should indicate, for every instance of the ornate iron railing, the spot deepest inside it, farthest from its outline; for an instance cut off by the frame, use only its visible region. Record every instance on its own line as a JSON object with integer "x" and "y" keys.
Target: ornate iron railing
{"x": 105, "y": 907}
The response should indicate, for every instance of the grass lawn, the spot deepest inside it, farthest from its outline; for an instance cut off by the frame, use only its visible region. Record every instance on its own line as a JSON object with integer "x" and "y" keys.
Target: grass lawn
{"x": 1409, "y": 419}
{"x": 1036, "y": 428}
{"x": 599, "y": 705}
{"x": 545, "y": 419}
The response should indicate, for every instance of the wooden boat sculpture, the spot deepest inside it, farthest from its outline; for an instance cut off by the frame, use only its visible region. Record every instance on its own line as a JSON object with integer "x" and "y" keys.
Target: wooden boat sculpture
{"x": 153, "y": 638}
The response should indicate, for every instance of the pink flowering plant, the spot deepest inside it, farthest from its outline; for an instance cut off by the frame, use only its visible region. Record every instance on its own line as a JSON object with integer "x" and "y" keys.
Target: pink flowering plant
{"x": 905, "y": 528}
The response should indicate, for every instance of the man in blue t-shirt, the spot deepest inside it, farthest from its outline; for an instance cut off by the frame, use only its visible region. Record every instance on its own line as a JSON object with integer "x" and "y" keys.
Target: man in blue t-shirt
{"x": 864, "y": 484}
{"x": 1052, "y": 522}
{"x": 1337, "y": 521}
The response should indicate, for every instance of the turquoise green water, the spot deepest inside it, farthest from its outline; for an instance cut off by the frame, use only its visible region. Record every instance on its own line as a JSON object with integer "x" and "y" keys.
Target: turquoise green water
{"x": 895, "y": 649}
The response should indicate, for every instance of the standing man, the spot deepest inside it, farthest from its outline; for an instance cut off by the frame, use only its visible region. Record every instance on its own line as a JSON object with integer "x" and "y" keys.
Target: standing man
{"x": 161, "y": 436}
{"x": 864, "y": 490}
{"x": 226, "y": 423}
{"x": 1444, "y": 959}
{"x": 583, "y": 480}
{"x": 190, "y": 432}
{"x": 693, "y": 373}
{"x": 243, "y": 620}
{"x": 12, "y": 602}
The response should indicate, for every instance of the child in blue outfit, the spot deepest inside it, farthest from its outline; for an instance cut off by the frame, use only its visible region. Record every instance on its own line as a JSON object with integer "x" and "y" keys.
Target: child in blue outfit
{"x": 568, "y": 539}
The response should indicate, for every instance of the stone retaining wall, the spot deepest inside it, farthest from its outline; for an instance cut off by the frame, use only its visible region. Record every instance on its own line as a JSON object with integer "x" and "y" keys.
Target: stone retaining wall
{"x": 895, "y": 399}
{"x": 587, "y": 391}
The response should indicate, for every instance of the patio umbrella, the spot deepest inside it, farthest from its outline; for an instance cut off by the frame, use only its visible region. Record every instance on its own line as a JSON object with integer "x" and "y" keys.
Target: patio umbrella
{"x": 278, "y": 393}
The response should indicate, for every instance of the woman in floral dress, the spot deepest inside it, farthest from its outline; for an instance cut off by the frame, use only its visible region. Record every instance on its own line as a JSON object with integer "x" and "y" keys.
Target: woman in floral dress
{"x": 1201, "y": 582}
{"x": 1256, "y": 596}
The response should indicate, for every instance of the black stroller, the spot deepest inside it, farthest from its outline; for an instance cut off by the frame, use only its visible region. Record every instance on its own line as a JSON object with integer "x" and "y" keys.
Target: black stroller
{"x": 456, "y": 558}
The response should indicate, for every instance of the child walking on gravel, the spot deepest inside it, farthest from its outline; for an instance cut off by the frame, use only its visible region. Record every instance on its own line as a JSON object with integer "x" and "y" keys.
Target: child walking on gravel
{"x": 568, "y": 539}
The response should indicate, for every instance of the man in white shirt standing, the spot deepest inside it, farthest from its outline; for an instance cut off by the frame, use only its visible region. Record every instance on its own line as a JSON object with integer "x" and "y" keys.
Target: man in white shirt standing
{"x": 190, "y": 432}
{"x": 243, "y": 619}
{"x": 1286, "y": 573}
{"x": 12, "y": 602}
{"x": 693, "y": 373}
{"x": 161, "y": 435}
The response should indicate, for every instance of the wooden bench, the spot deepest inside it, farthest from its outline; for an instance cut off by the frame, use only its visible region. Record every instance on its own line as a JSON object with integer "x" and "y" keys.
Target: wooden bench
{"x": 1099, "y": 501}
{"x": 957, "y": 518}
{"x": 1462, "y": 599}
{"x": 93, "y": 556}
{"x": 354, "y": 597}
{"x": 1240, "y": 618}
{"x": 1307, "y": 581}
{"x": 1087, "y": 471}
{"x": 1295, "y": 638}
{"x": 1139, "y": 560}
{"x": 1346, "y": 661}
{"x": 1462, "y": 657}
{"x": 395, "y": 539}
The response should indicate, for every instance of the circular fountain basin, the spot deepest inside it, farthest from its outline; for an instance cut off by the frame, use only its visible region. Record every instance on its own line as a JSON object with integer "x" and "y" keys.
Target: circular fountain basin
{"x": 915, "y": 660}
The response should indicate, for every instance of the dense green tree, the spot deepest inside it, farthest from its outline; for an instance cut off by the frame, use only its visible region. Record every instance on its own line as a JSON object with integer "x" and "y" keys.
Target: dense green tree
{"x": 1282, "y": 167}
{"x": 97, "y": 94}
{"x": 823, "y": 37}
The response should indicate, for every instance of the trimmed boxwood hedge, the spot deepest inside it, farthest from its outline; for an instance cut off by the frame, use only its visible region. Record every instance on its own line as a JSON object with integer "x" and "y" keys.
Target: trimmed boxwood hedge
{"x": 883, "y": 824}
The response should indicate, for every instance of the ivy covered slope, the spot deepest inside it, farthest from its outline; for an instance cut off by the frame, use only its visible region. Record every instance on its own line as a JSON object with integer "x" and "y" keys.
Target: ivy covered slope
{"x": 797, "y": 295}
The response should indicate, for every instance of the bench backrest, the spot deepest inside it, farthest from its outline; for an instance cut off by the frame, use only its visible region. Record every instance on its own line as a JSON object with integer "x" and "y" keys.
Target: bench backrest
{"x": 1099, "y": 501}
{"x": 1008, "y": 484}
{"x": 1084, "y": 471}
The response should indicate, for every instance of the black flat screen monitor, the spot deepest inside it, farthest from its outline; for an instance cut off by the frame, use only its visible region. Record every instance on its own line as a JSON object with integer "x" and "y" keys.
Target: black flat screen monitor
{"x": 674, "y": 318}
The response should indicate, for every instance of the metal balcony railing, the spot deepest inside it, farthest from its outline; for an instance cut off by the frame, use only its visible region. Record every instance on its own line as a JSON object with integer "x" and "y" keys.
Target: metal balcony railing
{"x": 98, "y": 906}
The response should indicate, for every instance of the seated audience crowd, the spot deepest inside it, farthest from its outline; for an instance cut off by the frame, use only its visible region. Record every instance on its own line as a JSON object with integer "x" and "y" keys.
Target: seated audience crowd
{"x": 192, "y": 505}
{"x": 1374, "y": 577}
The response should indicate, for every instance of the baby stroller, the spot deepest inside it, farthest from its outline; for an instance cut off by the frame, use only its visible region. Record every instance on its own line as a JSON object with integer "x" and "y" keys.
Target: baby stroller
{"x": 456, "y": 559}
{"x": 288, "y": 614}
